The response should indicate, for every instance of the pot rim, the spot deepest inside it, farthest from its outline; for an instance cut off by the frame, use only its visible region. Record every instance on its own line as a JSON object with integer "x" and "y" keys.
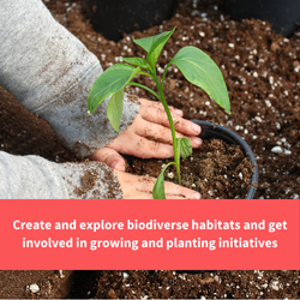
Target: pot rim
{"x": 212, "y": 130}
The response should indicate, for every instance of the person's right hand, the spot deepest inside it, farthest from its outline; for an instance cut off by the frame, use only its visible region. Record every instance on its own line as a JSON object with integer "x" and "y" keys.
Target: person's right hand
{"x": 140, "y": 187}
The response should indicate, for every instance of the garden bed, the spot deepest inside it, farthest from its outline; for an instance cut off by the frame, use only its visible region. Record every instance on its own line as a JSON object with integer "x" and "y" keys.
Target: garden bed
{"x": 262, "y": 72}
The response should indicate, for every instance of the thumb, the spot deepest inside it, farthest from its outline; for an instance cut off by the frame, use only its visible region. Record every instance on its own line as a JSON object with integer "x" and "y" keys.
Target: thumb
{"x": 110, "y": 157}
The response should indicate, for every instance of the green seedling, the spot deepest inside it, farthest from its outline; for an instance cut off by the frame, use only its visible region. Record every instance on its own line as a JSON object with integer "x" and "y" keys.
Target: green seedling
{"x": 196, "y": 66}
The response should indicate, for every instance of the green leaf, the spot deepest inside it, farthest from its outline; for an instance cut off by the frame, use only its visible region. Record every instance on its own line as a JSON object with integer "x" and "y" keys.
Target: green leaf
{"x": 158, "y": 191}
{"x": 201, "y": 70}
{"x": 109, "y": 82}
{"x": 136, "y": 61}
{"x": 147, "y": 42}
{"x": 185, "y": 147}
{"x": 157, "y": 47}
{"x": 115, "y": 109}
{"x": 154, "y": 45}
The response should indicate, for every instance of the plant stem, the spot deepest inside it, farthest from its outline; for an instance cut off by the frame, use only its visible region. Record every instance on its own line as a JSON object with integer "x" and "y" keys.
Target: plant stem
{"x": 166, "y": 107}
{"x": 145, "y": 88}
{"x": 164, "y": 76}
{"x": 146, "y": 74}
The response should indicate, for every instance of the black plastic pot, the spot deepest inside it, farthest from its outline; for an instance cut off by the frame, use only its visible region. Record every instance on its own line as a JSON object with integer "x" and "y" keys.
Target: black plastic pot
{"x": 282, "y": 14}
{"x": 210, "y": 130}
{"x": 112, "y": 18}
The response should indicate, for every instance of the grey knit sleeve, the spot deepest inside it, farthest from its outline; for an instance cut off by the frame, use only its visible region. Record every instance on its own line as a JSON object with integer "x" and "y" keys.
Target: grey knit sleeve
{"x": 32, "y": 177}
{"x": 51, "y": 73}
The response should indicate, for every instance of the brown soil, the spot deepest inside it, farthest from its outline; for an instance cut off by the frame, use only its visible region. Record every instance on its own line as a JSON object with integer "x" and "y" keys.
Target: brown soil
{"x": 35, "y": 284}
{"x": 216, "y": 171}
{"x": 262, "y": 72}
{"x": 216, "y": 285}
{"x": 23, "y": 133}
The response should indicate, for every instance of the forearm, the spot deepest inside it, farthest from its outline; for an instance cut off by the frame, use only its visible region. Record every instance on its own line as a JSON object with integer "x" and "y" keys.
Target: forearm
{"x": 51, "y": 72}
{"x": 32, "y": 177}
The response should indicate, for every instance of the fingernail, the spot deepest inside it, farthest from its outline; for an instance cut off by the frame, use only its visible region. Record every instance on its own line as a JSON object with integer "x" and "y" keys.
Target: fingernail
{"x": 197, "y": 196}
{"x": 119, "y": 167}
{"x": 178, "y": 112}
{"x": 113, "y": 164}
{"x": 197, "y": 141}
{"x": 196, "y": 128}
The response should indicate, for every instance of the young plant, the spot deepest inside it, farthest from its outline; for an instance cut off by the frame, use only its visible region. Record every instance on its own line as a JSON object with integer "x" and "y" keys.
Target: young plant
{"x": 196, "y": 66}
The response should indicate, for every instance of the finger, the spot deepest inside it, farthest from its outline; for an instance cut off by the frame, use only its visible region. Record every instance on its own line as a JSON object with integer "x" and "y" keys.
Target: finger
{"x": 159, "y": 116}
{"x": 159, "y": 133}
{"x": 153, "y": 149}
{"x": 172, "y": 190}
{"x": 110, "y": 157}
{"x": 140, "y": 187}
{"x": 137, "y": 195}
{"x": 175, "y": 189}
{"x": 131, "y": 143}
{"x": 171, "y": 196}
{"x": 146, "y": 195}
{"x": 158, "y": 104}
{"x": 153, "y": 131}
{"x": 129, "y": 185}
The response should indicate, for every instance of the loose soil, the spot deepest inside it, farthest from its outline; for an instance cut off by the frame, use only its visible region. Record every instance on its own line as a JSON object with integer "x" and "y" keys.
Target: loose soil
{"x": 262, "y": 72}
{"x": 217, "y": 171}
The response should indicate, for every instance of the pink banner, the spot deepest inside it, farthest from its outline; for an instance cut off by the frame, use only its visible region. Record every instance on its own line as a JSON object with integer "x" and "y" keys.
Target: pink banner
{"x": 150, "y": 234}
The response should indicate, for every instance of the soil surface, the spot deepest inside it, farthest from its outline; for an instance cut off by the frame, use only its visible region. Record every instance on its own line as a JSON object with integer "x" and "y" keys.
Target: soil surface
{"x": 262, "y": 72}
{"x": 216, "y": 171}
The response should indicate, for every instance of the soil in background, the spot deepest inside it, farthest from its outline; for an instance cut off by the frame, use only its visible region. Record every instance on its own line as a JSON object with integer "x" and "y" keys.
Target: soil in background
{"x": 216, "y": 285}
{"x": 261, "y": 70}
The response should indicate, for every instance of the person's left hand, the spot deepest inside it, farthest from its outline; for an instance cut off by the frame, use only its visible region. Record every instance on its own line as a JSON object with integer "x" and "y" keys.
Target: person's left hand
{"x": 149, "y": 136}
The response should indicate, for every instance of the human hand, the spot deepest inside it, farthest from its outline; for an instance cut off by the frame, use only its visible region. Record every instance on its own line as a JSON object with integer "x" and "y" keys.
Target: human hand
{"x": 149, "y": 136}
{"x": 140, "y": 187}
